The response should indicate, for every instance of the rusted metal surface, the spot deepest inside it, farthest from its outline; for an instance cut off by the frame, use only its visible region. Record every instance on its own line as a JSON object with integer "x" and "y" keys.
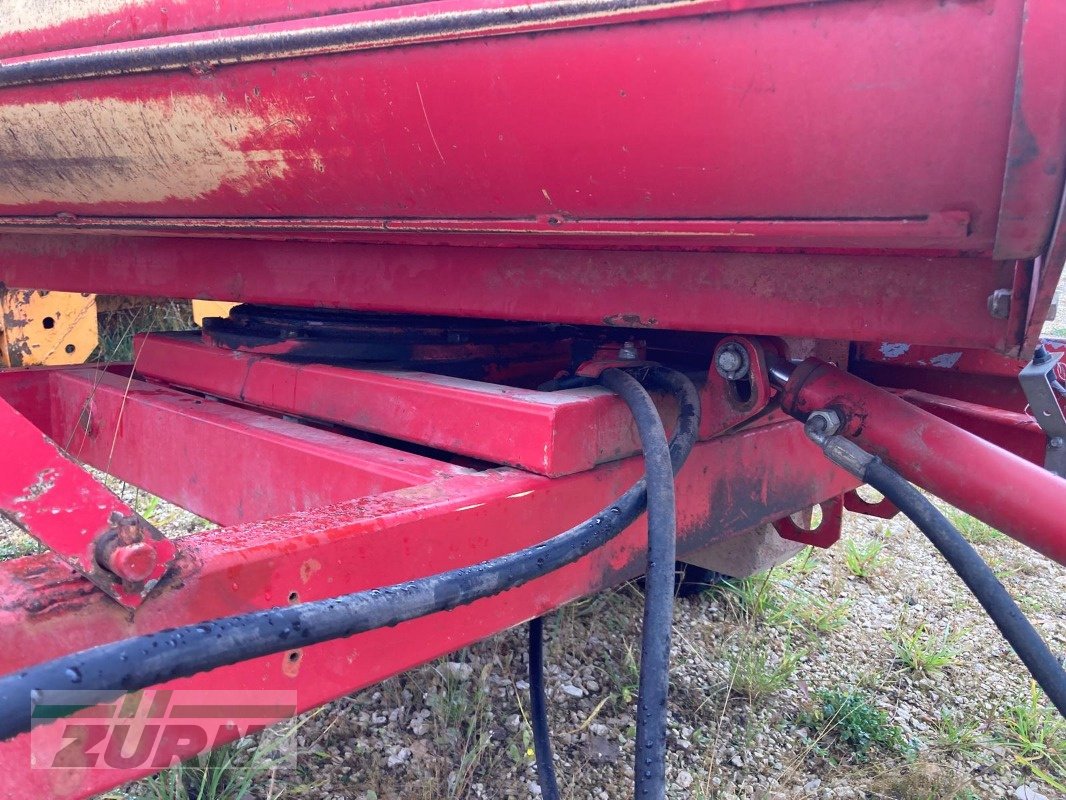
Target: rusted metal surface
{"x": 730, "y": 485}
{"x": 932, "y": 233}
{"x": 876, "y": 298}
{"x": 730, "y": 403}
{"x": 60, "y": 505}
{"x": 1013, "y": 495}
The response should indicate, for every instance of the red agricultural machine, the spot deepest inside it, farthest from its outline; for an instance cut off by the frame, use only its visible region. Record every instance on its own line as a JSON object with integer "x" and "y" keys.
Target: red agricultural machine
{"x": 488, "y": 253}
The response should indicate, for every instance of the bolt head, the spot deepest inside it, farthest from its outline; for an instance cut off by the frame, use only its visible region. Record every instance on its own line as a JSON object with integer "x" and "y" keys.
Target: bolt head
{"x": 1055, "y": 441}
{"x": 133, "y": 562}
{"x": 732, "y": 362}
{"x": 729, "y": 360}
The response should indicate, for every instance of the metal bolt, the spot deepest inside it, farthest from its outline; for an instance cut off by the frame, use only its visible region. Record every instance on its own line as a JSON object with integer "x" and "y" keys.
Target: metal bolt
{"x": 732, "y": 361}
{"x": 999, "y": 303}
{"x": 822, "y": 424}
{"x": 132, "y": 562}
{"x": 628, "y": 351}
{"x": 1055, "y": 442}
{"x": 729, "y": 360}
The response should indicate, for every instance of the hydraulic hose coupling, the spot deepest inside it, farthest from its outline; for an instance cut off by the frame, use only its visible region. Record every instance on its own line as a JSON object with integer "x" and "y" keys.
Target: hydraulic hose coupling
{"x": 821, "y": 428}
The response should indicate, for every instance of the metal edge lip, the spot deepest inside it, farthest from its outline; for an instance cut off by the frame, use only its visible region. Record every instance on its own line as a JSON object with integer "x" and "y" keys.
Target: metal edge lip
{"x": 350, "y": 32}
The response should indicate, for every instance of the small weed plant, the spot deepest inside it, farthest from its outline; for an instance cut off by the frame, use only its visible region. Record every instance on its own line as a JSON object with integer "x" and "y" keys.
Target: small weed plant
{"x": 863, "y": 560}
{"x": 849, "y": 719}
{"x": 973, "y": 529}
{"x": 924, "y": 651}
{"x": 758, "y": 672}
{"x": 1036, "y": 736}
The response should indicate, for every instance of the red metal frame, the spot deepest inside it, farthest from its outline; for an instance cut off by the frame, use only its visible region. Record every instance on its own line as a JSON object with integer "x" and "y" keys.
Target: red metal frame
{"x": 437, "y": 515}
{"x": 732, "y": 483}
{"x": 434, "y": 158}
{"x": 185, "y": 447}
{"x": 798, "y": 295}
{"x": 550, "y": 433}
{"x": 51, "y": 498}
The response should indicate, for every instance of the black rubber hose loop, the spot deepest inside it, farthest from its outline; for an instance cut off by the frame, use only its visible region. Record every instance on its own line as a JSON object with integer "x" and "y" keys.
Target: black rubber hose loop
{"x": 107, "y": 671}
{"x": 649, "y": 770}
{"x": 660, "y": 465}
{"x": 978, "y": 577}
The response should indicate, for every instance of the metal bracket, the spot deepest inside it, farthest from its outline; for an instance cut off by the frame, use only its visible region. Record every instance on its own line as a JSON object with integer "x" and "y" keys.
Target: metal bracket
{"x": 825, "y": 535}
{"x": 60, "y": 505}
{"x": 883, "y": 509}
{"x": 738, "y": 385}
{"x": 1042, "y": 389}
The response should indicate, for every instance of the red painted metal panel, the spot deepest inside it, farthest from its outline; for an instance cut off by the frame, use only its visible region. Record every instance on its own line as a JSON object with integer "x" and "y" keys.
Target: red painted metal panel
{"x": 729, "y": 485}
{"x": 1036, "y": 158}
{"x": 981, "y": 377}
{"x": 810, "y": 112}
{"x": 875, "y": 298}
{"x": 221, "y": 462}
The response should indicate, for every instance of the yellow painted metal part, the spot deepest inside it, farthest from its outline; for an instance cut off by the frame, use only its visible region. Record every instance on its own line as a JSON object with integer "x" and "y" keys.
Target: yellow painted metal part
{"x": 209, "y": 308}
{"x": 39, "y": 327}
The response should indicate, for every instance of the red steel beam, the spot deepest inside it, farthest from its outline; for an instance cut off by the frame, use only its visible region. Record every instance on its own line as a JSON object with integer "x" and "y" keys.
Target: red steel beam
{"x": 225, "y": 463}
{"x": 730, "y": 484}
{"x": 875, "y": 298}
{"x": 550, "y": 433}
{"x": 1020, "y": 498}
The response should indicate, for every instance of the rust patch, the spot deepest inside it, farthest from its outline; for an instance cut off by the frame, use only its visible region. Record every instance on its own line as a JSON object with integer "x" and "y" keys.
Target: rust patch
{"x": 309, "y": 568}
{"x": 110, "y": 150}
{"x": 629, "y": 321}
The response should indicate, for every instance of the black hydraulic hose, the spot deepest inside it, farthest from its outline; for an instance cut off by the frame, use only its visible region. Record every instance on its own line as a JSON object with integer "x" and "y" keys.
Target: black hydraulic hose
{"x": 110, "y": 670}
{"x": 978, "y": 577}
{"x": 649, "y": 771}
{"x": 538, "y": 713}
{"x": 650, "y": 766}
